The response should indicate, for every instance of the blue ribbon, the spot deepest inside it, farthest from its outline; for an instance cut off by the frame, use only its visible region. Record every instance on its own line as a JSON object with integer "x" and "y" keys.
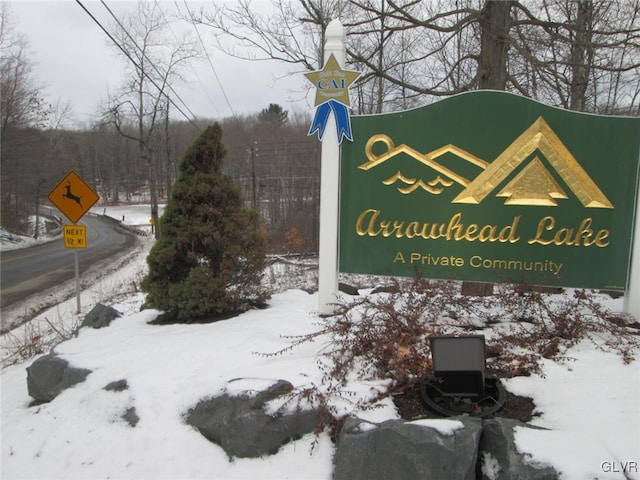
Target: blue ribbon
{"x": 340, "y": 113}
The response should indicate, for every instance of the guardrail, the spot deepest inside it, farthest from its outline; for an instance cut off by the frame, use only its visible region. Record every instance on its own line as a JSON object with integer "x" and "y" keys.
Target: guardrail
{"x": 130, "y": 228}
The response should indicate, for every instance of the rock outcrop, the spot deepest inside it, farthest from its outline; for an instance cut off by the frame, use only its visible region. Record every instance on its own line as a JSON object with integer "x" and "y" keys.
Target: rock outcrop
{"x": 100, "y": 316}
{"x": 240, "y": 425}
{"x": 500, "y": 457}
{"x": 49, "y": 375}
{"x": 402, "y": 450}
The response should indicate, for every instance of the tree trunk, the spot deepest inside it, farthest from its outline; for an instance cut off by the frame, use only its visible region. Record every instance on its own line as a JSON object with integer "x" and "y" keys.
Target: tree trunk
{"x": 494, "y": 24}
{"x": 37, "y": 222}
{"x": 581, "y": 55}
{"x": 170, "y": 164}
{"x": 147, "y": 155}
{"x": 494, "y": 44}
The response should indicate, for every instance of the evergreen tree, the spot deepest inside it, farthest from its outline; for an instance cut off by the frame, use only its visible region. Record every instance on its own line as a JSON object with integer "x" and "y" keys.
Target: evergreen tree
{"x": 274, "y": 114}
{"x": 210, "y": 257}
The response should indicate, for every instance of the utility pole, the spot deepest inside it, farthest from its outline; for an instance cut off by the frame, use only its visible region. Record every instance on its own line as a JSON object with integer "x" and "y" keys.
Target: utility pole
{"x": 252, "y": 155}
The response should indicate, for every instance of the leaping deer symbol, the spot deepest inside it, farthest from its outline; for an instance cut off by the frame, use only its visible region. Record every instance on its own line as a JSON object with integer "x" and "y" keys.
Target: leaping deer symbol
{"x": 70, "y": 195}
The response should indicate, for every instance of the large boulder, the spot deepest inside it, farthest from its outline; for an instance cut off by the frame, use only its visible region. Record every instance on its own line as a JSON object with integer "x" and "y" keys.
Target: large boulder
{"x": 100, "y": 316}
{"x": 49, "y": 375}
{"x": 500, "y": 457}
{"x": 242, "y": 428}
{"x": 402, "y": 450}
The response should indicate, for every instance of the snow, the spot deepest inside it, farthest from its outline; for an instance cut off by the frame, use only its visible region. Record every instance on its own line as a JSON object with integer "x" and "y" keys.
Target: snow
{"x": 445, "y": 427}
{"x": 589, "y": 407}
{"x": 168, "y": 369}
{"x": 490, "y": 466}
{"x": 10, "y": 241}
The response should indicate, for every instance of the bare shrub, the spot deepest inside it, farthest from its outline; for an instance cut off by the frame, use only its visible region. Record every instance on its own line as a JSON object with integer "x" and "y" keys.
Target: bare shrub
{"x": 35, "y": 338}
{"x": 384, "y": 337}
{"x": 549, "y": 325}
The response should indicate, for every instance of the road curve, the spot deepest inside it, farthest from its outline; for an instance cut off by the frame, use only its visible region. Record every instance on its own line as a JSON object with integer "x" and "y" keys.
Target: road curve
{"x": 31, "y": 270}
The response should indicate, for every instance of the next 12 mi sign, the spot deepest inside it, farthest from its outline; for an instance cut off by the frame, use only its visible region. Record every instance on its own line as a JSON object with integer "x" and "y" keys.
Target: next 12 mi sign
{"x": 75, "y": 236}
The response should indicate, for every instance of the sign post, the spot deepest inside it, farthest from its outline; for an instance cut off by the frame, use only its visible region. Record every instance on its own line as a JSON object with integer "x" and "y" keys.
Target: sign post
{"x": 73, "y": 197}
{"x": 632, "y": 295}
{"x": 332, "y": 102}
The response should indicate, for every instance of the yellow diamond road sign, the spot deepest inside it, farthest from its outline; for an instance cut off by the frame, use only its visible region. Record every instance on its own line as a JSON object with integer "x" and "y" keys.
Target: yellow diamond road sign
{"x": 73, "y": 197}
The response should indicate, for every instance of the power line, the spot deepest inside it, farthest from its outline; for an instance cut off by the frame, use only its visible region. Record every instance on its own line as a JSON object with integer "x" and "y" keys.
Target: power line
{"x": 206, "y": 92}
{"x": 142, "y": 52}
{"x": 213, "y": 70}
{"x": 224, "y": 94}
{"x": 122, "y": 49}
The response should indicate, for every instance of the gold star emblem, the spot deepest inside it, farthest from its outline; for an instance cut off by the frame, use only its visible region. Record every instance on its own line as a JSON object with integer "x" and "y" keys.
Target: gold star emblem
{"x": 332, "y": 83}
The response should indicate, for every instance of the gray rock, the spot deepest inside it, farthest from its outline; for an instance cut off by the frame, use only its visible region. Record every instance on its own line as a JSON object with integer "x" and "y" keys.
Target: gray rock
{"x": 131, "y": 416}
{"x": 281, "y": 387}
{"x": 100, "y": 316}
{"x": 117, "y": 386}
{"x": 348, "y": 289}
{"x": 403, "y": 450}
{"x": 241, "y": 427}
{"x": 498, "y": 447}
{"x": 49, "y": 375}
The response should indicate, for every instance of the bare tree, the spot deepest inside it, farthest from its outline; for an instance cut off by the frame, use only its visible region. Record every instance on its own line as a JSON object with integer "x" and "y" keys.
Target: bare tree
{"x": 21, "y": 108}
{"x": 581, "y": 54}
{"x": 20, "y": 97}
{"x": 156, "y": 63}
{"x": 42, "y": 173}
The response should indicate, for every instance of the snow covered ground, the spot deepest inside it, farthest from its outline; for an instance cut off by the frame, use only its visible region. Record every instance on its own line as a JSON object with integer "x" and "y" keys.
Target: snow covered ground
{"x": 591, "y": 404}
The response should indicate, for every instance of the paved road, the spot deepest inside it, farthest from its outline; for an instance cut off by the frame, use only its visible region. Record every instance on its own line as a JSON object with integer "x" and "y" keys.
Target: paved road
{"x": 28, "y": 271}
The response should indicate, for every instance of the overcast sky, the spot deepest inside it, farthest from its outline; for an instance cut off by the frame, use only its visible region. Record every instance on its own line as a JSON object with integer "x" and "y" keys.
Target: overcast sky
{"x": 75, "y": 61}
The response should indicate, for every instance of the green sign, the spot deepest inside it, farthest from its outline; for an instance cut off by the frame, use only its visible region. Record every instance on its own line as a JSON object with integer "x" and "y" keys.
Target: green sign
{"x": 488, "y": 186}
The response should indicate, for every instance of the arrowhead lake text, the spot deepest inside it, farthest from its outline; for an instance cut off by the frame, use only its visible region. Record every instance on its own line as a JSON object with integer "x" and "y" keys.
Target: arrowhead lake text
{"x": 547, "y": 232}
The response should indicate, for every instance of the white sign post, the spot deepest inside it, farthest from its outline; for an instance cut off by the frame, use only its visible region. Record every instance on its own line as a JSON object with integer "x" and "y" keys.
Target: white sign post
{"x": 329, "y": 189}
{"x": 632, "y": 295}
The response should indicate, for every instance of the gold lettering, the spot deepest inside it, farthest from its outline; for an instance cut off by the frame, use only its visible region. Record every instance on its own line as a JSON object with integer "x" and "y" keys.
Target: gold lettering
{"x": 601, "y": 236}
{"x": 545, "y": 223}
{"x": 455, "y": 227}
{"x": 437, "y": 231}
{"x": 487, "y": 233}
{"x": 413, "y": 230}
{"x": 370, "y": 230}
{"x": 582, "y": 237}
{"x": 585, "y": 232}
{"x": 399, "y": 258}
{"x": 390, "y": 228}
{"x": 470, "y": 234}
{"x": 509, "y": 233}
{"x": 563, "y": 236}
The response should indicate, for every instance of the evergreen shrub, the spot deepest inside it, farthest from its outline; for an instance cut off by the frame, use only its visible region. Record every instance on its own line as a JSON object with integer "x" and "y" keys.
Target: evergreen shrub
{"x": 209, "y": 259}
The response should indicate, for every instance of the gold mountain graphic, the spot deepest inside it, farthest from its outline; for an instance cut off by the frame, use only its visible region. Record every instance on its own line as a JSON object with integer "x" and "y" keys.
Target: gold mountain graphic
{"x": 533, "y": 185}
{"x": 414, "y": 184}
{"x": 428, "y": 159}
{"x": 539, "y": 136}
